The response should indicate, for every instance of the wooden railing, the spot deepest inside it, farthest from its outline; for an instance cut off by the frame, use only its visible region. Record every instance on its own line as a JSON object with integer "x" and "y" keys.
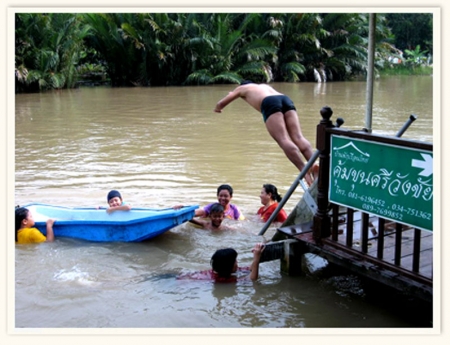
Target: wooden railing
{"x": 402, "y": 249}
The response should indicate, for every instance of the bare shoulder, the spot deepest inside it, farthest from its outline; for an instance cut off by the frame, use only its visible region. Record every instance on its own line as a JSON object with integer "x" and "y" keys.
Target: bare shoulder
{"x": 257, "y": 88}
{"x": 267, "y": 87}
{"x": 245, "y": 90}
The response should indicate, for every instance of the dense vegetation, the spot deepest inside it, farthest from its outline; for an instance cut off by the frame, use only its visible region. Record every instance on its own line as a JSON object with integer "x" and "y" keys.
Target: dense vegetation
{"x": 58, "y": 50}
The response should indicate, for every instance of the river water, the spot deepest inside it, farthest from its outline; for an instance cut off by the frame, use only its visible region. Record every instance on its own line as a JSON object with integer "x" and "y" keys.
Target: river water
{"x": 164, "y": 146}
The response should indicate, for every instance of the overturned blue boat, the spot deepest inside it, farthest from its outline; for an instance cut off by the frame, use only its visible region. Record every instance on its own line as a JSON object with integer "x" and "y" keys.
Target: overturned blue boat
{"x": 97, "y": 225}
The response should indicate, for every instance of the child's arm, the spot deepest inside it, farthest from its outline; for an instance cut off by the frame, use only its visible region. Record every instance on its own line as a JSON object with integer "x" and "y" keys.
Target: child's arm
{"x": 119, "y": 208}
{"x": 227, "y": 227}
{"x": 201, "y": 223}
{"x": 50, "y": 235}
{"x": 257, "y": 250}
{"x": 199, "y": 212}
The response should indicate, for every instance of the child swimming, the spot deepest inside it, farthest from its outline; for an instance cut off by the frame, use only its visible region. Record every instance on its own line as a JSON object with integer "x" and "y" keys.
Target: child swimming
{"x": 26, "y": 232}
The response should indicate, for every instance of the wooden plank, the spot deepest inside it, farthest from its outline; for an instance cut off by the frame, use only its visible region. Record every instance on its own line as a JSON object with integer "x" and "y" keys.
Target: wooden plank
{"x": 296, "y": 229}
{"x": 426, "y": 264}
{"x": 358, "y": 265}
{"x": 387, "y": 235}
{"x": 379, "y": 260}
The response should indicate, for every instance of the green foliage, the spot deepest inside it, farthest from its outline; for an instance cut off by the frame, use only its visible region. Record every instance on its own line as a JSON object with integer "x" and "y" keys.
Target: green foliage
{"x": 227, "y": 52}
{"x": 54, "y": 50}
{"x": 405, "y": 70}
{"x": 48, "y": 49}
{"x": 415, "y": 57}
{"x": 411, "y": 30}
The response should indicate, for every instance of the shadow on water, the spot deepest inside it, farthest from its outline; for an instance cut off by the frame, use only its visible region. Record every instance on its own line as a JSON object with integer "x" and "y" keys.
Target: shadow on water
{"x": 414, "y": 311}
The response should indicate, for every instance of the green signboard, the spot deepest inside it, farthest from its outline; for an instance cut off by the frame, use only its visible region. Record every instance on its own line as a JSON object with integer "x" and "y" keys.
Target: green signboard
{"x": 392, "y": 182}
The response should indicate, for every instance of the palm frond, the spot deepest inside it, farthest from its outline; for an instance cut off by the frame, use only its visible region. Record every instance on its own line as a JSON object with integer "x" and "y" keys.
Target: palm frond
{"x": 227, "y": 77}
{"x": 201, "y": 77}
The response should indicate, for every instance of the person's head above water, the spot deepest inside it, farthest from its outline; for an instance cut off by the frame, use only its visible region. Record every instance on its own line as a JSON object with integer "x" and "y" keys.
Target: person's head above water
{"x": 273, "y": 191}
{"x": 21, "y": 215}
{"x": 224, "y": 195}
{"x": 114, "y": 198}
{"x": 244, "y": 82}
{"x": 224, "y": 262}
{"x": 216, "y": 208}
{"x": 113, "y": 194}
{"x": 225, "y": 187}
{"x": 216, "y": 213}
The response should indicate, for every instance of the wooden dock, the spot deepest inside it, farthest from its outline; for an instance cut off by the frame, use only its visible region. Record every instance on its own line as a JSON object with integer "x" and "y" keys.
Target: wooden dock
{"x": 382, "y": 260}
{"x": 362, "y": 178}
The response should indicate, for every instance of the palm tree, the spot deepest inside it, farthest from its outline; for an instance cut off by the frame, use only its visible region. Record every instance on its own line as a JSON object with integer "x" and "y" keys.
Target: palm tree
{"x": 169, "y": 44}
{"x": 110, "y": 38}
{"x": 343, "y": 45}
{"x": 346, "y": 44}
{"x": 227, "y": 54}
{"x": 145, "y": 48}
{"x": 196, "y": 48}
{"x": 300, "y": 33}
{"x": 48, "y": 48}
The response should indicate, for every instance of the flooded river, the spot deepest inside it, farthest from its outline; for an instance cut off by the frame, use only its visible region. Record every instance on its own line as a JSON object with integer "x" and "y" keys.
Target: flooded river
{"x": 166, "y": 146}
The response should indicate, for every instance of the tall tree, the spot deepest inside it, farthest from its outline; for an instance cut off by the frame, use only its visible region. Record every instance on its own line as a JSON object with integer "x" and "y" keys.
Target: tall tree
{"x": 411, "y": 30}
{"x": 48, "y": 49}
{"x": 299, "y": 40}
{"x": 227, "y": 54}
{"x": 200, "y": 48}
{"x": 110, "y": 38}
{"x": 344, "y": 44}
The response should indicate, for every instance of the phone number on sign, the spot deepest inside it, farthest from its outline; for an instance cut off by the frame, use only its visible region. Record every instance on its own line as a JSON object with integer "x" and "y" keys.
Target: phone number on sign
{"x": 396, "y": 211}
{"x": 412, "y": 212}
{"x": 367, "y": 199}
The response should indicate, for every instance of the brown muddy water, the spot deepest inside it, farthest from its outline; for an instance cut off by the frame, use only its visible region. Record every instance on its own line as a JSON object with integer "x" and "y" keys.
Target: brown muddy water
{"x": 165, "y": 146}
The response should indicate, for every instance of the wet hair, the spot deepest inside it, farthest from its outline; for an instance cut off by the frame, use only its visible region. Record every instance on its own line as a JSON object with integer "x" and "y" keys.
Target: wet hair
{"x": 21, "y": 214}
{"x": 113, "y": 194}
{"x": 216, "y": 208}
{"x": 244, "y": 82}
{"x": 270, "y": 188}
{"x": 223, "y": 261}
{"x": 225, "y": 187}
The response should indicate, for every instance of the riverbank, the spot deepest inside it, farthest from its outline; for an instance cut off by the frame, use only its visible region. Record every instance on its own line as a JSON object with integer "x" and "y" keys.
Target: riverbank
{"x": 403, "y": 70}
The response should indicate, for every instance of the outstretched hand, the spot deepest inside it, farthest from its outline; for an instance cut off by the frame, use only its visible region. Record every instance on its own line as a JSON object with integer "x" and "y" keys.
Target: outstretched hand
{"x": 258, "y": 249}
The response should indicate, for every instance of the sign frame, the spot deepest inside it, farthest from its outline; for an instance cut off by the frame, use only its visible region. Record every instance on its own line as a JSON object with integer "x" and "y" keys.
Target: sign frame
{"x": 390, "y": 181}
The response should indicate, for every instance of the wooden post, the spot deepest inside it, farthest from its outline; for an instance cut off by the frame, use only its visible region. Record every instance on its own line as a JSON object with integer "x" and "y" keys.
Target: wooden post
{"x": 322, "y": 219}
{"x": 289, "y": 252}
{"x": 291, "y": 262}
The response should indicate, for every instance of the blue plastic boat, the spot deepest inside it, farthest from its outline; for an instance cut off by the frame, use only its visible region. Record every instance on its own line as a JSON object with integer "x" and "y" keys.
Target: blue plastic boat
{"x": 97, "y": 225}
